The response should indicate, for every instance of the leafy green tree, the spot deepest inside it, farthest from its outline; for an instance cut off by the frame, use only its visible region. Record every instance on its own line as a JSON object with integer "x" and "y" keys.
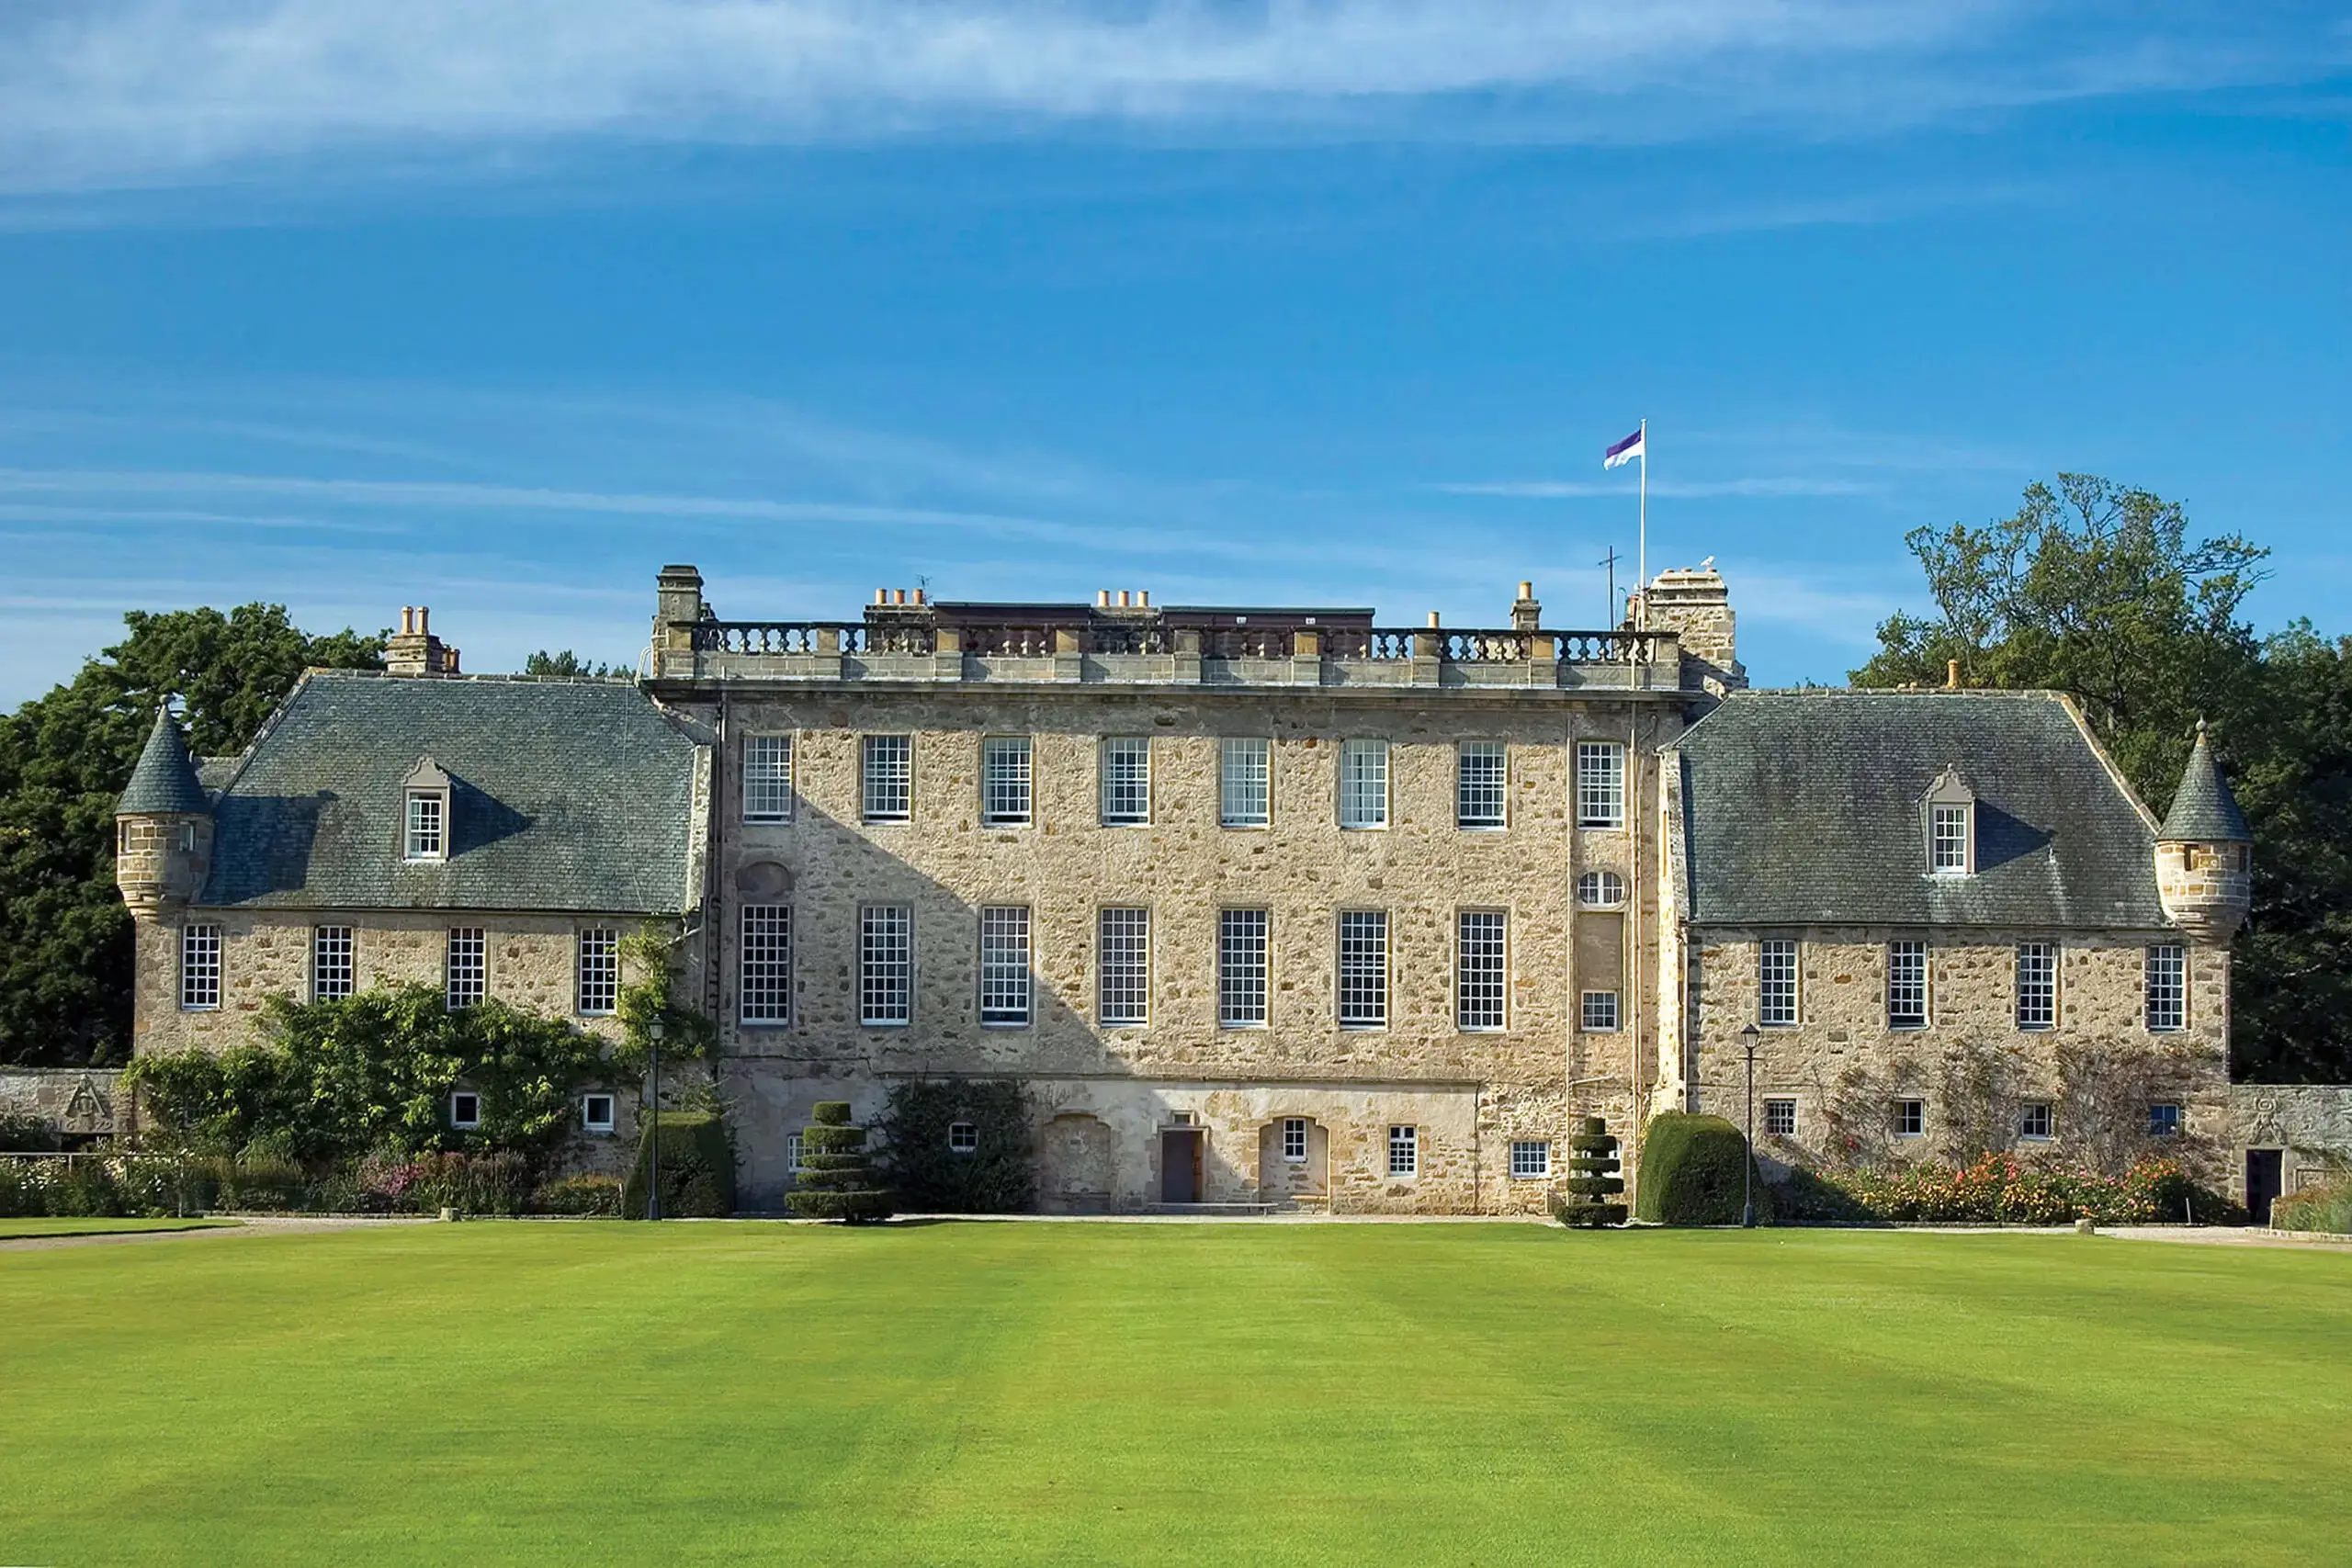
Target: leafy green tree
{"x": 65, "y": 757}
{"x": 567, "y": 665}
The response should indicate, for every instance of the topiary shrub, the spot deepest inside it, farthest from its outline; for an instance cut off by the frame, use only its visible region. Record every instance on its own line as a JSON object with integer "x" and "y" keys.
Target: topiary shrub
{"x": 1691, "y": 1172}
{"x": 1593, "y": 1183}
{"x": 924, "y": 1173}
{"x": 836, "y": 1182}
{"x": 698, "y": 1167}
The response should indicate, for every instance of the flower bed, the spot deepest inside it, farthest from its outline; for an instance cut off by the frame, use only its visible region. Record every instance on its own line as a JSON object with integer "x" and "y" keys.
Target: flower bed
{"x": 1998, "y": 1189}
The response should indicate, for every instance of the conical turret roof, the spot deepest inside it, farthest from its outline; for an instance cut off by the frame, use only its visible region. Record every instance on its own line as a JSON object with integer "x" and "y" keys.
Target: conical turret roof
{"x": 164, "y": 780}
{"x": 2203, "y": 809}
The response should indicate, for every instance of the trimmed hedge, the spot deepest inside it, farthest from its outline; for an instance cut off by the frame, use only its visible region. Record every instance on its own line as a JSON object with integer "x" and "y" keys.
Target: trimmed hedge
{"x": 1691, "y": 1172}
{"x": 835, "y": 1181}
{"x": 1594, "y": 1186}
{"x": 999, "y": 1176}
{"x": 697, "y": 1168}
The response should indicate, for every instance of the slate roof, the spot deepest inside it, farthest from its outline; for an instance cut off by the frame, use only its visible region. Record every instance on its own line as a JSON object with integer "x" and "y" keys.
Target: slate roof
{"x": 566, "y": 795}
{"x": 165, "y": 780}
{"x": 1805, "y": 809}
{"x": 2203, "y": 807}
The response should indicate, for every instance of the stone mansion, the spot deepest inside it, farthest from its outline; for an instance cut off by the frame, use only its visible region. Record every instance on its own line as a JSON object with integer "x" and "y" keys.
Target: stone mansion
{"x": 1263, "y": 905}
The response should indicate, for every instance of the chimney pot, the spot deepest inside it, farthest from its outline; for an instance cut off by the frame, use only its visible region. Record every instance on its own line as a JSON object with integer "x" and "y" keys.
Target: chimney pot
{"x": 1123, "y": 599}
{"x": 881, "y": 596}
{"x": 1143, "y": 598}
{"x": 423, "y": 618}
{"x": 1951, "y": 675}
{"x": 1101, "y": 598}
{"x": 1433, "y": 619}
{"x": 1527, "y": 589}
{"x": 919, "y": 594}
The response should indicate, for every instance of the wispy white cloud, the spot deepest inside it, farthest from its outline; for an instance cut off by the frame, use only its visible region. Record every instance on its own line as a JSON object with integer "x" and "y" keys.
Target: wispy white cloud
{"x": 157, "y": 91}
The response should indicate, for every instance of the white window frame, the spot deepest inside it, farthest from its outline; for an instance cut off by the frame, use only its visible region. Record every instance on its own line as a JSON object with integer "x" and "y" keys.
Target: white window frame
{"x": 1244, "y": 968}
{"x": 465, "y": 967}
{"x": 794, "y": 1147}
{"x": 1481, "y": 970}
{"x": 1007, "y": 781}
{"x": 1122, "y": 966}
{"x": 1780, "y": 992}
{"x": 1363, "y": 784}
{"x": 200, "y": 967}
{"x": 1005, "y": 986}
{"x": 335, "y": 962}
{"x": 589, "y": 1122}
{"x": 1910, "y": 1118}
{"x": 886, "y": 772}
{"x": 1906, "y": 985}
{"x": 465, "y": 1123}
{"x": 2162, "y": 1126}
{"x": 763, "y": 966}
{"x": 2164, "y": 988}
{"x": 1404, "y": 1152}
{"x": 767, "y": 777}
{"x": 1245, "y": 772}
{"x": 596, "y": 971}
{"x": 1601, "y": 890}
{"x": 426, "y": 826}
{"x": 2037, "y": 1121}
{"x": 1123, "y": 764}
{"x": 2036, "y": 979}
{"x": 1599, "y": 1012}
{"x": 1779, "y": 1116}
{"x": 1948, "y": 849}
{"x": 1482, "y": 786}
{"x": 1600, "y": 783}
{"x": 963, "y": 1139}
{"x": 1530, "y": 1159}
{"x": 1361, "y": 994}
{"x": 1294, "y": 1140}
{"x": 885, "y": 965}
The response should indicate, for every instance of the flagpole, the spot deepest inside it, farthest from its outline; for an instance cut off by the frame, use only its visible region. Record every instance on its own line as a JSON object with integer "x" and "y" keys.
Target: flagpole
{"x": 1642, "y": 549}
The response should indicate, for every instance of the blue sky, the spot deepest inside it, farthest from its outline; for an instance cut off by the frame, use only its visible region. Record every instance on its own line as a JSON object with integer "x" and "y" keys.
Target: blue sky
{"x": 351, "y": 304}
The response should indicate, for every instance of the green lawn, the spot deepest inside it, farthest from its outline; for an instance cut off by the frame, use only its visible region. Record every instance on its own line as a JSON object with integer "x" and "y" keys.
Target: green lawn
{"x": 1281, "y": 1394}
{"x": 18, "y": 1230}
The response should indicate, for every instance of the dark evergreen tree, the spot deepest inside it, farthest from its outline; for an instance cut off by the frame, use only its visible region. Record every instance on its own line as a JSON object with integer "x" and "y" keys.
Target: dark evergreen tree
{"x": 836, "y": 1180}
{"x": 1595, "y": 1190}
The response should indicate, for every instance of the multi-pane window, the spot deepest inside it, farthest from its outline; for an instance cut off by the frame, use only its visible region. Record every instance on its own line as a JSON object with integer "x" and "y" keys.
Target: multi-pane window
{"x": 199, "y": 968}
{"x": 428, "y": 829}
{"x": 1600, "y": 1013}
{"x": 1780, "y": 1118}
{"x": 1948, "y": 839}
{"x": 2168, "y": 985}
{"x": 1601, "y": 890}
{"x": 1363, "y": 969}
{"x": 2163, "y": 1120}
{"x": 465, "y": 968}
{"x": 1481, "y": 768}
{"x": 1364, "y": 783}
{"x": 1776, "y": 984}
{"x": 1004, "y": 964}
{"x": 885, "y": 963}
{"x": 1245, "y": 782}
{"x": 1124, "y": 966}
{"x": 1404, "y": 1151}
{"x": 599, "y": 987}
{"x": 1004, "y": 781}
{"x": 1910, "y": 1118}
{"x": 1127, "y": 781}
{"x": 1906, "y": 985}
{"x": 595, "y": 1112}
{"x": 333, "y": 974}
{"x": 767, "y": 778}
{"x": 1294, "y": 1139}
{"x": 888, "y": 768}
{"x": 1530, "y": 1159}
{"x": 2036, "y": 1122}
{"x": 1600, "y": 783}
{"x": 963, "y": 1137}
{"x": 1478, "y": 968}
{"x": 2037, "y": 985}
{"x": 765, "y": 964}
{"x": 793, "y": 1147}
{"x": 1240, "y": 968}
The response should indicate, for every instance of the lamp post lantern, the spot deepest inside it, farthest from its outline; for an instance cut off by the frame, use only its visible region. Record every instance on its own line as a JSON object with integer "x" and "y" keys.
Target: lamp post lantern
{"x": 653, "y": 1148}
{"x": 1747, "y": 1038}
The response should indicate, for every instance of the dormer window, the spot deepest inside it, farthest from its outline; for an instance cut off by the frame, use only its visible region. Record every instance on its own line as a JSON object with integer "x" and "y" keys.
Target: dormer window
{"x": 1951, "y": 825}
{"x": 425, "y": 818}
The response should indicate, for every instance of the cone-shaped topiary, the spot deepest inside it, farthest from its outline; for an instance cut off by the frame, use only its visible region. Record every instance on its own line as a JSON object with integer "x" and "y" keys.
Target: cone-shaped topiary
{"x": 836, "y": 1182}
{"x": 1593, "y": 1183}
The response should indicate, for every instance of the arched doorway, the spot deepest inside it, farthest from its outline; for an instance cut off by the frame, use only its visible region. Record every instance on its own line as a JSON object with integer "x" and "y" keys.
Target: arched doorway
{"x": 1295, "y": 1162}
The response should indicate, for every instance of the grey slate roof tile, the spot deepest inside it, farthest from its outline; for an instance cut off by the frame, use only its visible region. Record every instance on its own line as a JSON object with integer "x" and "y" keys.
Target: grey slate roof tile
{"x": 2203, "y": 807}
{"x": 1804, "y": 809}
{"x": 165, "y": 779}
{"x": 566, "y": 795}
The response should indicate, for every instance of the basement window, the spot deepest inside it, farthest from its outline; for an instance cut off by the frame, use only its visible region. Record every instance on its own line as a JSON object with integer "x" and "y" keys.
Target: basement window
{"x": 2036, "y": 1122}
{"x": 963, "y": 1139}
{"x": 1780, "y": 1118}
{"x": 2163, "y": 1120}
{"x": 596, "y": 1112}
{"x": 465, "y": 1110}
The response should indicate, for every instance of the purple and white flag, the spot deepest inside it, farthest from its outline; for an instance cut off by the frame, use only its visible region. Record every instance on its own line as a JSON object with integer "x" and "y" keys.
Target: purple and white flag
{"x": 1625, "y": 451}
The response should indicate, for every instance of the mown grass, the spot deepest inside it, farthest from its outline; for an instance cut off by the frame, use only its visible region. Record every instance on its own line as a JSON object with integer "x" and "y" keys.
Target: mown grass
{"x": 22, "y": 1229}
{"x": 983, "y": 1393}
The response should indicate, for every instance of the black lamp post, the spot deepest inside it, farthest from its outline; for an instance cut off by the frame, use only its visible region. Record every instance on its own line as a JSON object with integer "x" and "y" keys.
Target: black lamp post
{"x": 653, "y": 1148}
{"x": 1748, "y": 1037}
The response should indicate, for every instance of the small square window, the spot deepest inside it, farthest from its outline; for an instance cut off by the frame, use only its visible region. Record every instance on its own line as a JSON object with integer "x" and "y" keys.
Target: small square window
{"x": 1294, "y": 1140}
{"x": 1531, "y": 1161}
{"x": 2163, "y": 1120}
{"x": 1404, "y": 1151}
{"x": 2036, "y": 1123}
{"x": 1780, "y": 1118}
{"x": 963, "y": 1139}
{"x": 1601, "y": 1013}
{"x": 596, "y": 1112}
{"x": 465, "y": 1110}
{"x": 1910, "y": 1118}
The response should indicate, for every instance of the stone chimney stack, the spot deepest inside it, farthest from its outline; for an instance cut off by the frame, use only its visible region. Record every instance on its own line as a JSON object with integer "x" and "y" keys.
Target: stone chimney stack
{"x": 678, "y": 608}
{"x": 414, "y": 651}
{"x": 2205, "y": 853}
{"x": 1526, "y": 611}
{"x": 1694, "y": 603}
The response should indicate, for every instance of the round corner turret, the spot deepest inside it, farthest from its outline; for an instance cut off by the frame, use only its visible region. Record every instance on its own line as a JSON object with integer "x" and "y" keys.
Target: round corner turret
{"x": 2205, "y": 853}
{"x": 163, "y": 826}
